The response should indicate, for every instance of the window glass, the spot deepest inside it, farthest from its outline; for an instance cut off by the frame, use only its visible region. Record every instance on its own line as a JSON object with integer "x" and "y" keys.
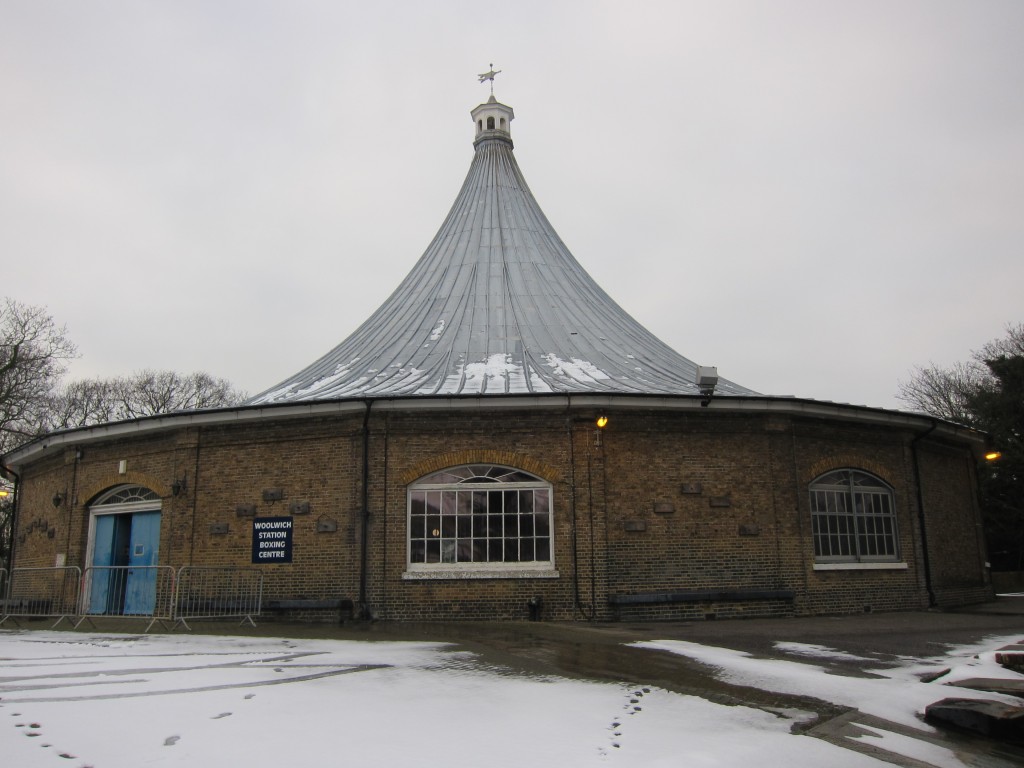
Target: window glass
{"x": 853, "y": 518}
{"x": 479, "y": 514}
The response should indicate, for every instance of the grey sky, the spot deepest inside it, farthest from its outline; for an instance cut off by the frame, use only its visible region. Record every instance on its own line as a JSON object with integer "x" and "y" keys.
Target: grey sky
{"x": 813, "y": 196}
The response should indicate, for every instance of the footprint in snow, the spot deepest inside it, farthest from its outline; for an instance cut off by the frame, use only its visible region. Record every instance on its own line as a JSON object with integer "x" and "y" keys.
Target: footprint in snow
{"x": 170, "y": 741}
{"x": 222, "y": 714}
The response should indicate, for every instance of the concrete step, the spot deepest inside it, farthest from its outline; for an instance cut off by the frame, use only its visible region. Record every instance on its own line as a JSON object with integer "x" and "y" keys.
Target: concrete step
{"x": 988, "y": 718}
{"x": 1011, "y": 687}
{"x": 1011, "y": 656}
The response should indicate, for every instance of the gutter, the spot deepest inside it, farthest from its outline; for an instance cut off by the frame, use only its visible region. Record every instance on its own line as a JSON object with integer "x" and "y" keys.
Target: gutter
{"x": 50, "y": 443}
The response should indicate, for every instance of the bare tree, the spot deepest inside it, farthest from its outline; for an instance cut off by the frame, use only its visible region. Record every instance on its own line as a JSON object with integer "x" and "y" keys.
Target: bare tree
{"x": 948, "y": 392}
{"x": 145, "y": 393}
{"x": 149, "y": 392}
{"x": 32, "y": 354}
{"x": 1012, "y": 345}
{"x": 943, "y": 392}
{"x": 79, "y": 404}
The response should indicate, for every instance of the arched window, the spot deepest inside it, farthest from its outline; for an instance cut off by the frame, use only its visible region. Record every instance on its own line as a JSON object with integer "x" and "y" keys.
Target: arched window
{"x": 480, "y": 517}
{"x": 127, "y": 494}
{"x": 853, "y": 518}
{"x": 490, "y": 123}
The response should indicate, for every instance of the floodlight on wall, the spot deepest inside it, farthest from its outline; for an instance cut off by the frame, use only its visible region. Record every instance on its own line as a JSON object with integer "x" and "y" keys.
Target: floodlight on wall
{"x": 602, "y": 422}
{"x": 993, "y": 455}
{"x": 58, "y": 499}
{"x": 707, "y": 380}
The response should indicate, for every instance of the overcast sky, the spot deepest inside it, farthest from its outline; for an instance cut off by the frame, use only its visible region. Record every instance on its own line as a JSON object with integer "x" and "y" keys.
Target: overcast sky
{"x": 812, "y": 195}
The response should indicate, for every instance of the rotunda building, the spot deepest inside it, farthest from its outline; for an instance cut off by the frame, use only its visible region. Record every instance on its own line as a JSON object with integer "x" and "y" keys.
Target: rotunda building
{"x": 501, "y": 440}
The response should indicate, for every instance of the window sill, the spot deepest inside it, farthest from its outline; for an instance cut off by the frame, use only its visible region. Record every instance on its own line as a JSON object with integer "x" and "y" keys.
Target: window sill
{"x": 480, "y": 573}
{"x": 892, "y": 566}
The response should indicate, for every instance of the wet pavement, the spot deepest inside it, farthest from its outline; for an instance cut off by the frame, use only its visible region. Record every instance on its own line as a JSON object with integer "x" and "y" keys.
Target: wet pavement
{"x": 602, "y": 651}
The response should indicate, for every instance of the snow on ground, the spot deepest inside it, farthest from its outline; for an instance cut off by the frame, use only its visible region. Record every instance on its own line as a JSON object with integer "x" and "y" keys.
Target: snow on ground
{"x": 107, "y": 701}
{"x": 896, "y": 694}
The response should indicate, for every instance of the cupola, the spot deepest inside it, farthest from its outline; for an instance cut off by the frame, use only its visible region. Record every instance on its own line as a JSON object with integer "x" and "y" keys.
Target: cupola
{"x": 493, "y": 121}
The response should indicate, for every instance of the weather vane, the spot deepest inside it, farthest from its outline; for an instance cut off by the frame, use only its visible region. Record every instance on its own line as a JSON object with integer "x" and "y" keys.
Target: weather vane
{"x": 489, "y": 76}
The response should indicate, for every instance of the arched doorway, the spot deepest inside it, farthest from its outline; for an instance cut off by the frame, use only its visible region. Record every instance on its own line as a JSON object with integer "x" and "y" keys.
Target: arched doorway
{"x": 124, "y": 544}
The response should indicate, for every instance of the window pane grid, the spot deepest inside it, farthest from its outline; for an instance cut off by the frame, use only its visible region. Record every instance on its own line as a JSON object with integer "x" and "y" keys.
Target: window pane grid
{"x": 852, "y": 518}
{"x": 504, "y": 519}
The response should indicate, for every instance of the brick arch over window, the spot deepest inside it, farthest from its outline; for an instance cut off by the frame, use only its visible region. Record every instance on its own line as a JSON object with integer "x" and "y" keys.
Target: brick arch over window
{"x": 847, "y": 461}
{"x": 128, "y": 493}
{"x": 483, "y": 456}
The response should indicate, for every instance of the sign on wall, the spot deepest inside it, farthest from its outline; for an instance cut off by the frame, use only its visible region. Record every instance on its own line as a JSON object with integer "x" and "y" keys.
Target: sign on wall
{"x": 272, "y": 540}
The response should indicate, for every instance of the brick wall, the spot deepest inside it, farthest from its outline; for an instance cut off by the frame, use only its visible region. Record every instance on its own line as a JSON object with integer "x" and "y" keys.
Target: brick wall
{"x": 685, "y": 504}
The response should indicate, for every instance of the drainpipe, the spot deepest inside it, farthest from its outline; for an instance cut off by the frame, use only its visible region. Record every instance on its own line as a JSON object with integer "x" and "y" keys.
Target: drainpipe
{"x": 364, "y": 609}
{"x": 925, "y": 558}
{"x": 572, "y": 507}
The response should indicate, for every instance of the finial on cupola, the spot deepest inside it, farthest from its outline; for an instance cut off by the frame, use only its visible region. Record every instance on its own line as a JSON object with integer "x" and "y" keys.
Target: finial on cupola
{"x": 493, "y": 119}
{"x": 489, "y": 76}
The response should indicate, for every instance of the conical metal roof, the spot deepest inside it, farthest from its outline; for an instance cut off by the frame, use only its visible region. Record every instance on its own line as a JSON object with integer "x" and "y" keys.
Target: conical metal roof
{"x": 496, "y": 305}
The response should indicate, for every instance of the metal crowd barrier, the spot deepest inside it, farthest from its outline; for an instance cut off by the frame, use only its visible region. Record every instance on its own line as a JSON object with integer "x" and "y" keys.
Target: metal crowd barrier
{"x": 42, "y": 593}
{"x": 212, "y": 592}
{"x": 129, "y": 591}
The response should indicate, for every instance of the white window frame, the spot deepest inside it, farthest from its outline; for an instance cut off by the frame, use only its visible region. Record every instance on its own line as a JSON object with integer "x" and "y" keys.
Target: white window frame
{"x": 853, "y": 517}
{"x": 461, "y": 539}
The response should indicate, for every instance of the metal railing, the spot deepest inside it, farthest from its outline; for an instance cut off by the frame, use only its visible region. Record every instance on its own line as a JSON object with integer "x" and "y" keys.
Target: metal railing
{"x": 42, "y": 593}
{"x": 212, "y": 592}
{"x": 128, "y": 591}
{"x": 154, "y": 592}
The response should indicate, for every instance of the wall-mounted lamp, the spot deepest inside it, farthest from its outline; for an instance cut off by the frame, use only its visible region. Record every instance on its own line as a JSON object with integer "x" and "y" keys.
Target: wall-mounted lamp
{"x": 993, "y": 455}
{"x": 602, "y": 422}
{"x": 58, "y": 499}
{"x": 178, "y": 487}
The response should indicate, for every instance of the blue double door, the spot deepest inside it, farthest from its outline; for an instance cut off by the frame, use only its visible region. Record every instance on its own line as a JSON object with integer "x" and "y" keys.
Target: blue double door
{"x": 124, "y": 545}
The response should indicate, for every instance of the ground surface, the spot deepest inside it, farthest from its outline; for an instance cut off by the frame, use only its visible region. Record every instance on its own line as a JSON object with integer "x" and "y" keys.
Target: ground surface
{"x": 801, "y": 692}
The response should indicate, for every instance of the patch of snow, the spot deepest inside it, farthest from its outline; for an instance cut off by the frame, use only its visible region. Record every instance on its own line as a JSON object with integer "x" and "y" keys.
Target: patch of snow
{"x": 818, "y": 651}
{"x": 581, "y": 370}
{"x": 932, "y": 754}
{"x": 176, "y": 700}
{"x": 274, "y": 395}
{"x": 897, "y": 694}
{"x": 121, "y": 701}
{"x": 496, "y": 373}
